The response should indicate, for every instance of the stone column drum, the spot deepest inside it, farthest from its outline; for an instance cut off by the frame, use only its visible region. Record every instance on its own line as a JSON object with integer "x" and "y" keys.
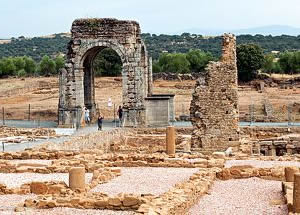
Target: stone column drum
{"x": 296, "y": 194}
{"x": 77, "y": 178}
{"x": 170, "y": 140}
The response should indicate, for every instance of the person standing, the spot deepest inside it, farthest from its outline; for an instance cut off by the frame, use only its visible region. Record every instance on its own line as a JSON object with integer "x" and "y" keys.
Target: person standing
{"x": 87, "y": 116}
{"x": 120, "y": 114}
{"x": 100, "y": 122}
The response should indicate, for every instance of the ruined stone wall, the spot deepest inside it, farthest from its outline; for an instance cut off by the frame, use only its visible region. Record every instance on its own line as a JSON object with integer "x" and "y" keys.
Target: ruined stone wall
{"x": 214, "y": 106}
{"x": 89, "y": 37}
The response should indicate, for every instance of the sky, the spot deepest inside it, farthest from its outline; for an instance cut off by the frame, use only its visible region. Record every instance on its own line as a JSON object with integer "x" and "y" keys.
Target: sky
{"x": 31, "y": 18}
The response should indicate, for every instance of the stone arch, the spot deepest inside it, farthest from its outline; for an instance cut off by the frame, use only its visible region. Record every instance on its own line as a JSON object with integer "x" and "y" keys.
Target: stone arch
{"x": 86, "y": 58}
{"x": 118, "y": 48}
{"x": 88, "y": 36}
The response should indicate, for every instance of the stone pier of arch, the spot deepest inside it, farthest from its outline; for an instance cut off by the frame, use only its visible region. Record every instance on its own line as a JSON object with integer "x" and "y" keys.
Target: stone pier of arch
{"x": 89, "y": 37}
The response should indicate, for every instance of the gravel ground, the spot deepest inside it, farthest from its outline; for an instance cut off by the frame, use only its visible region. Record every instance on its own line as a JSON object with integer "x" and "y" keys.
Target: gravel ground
{"x": 145, "y": 180}
{"x": 13, "y": 180}
{"x": 9, "y": 202}
{"x": 261, "y": 164}
{"x": 44, "y": 162}
{"x": 73, "y": 211}
{"x": 243, "y": 196}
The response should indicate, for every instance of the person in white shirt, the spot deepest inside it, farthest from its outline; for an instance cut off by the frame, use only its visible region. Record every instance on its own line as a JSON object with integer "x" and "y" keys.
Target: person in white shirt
{"x": 87, "y": 116}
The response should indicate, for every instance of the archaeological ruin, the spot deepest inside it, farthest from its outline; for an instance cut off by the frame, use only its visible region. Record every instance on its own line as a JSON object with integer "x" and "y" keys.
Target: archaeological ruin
{"x": 77, "y": 87}
{"x": 148, "y": 167}
{"x": 214, "y": 107}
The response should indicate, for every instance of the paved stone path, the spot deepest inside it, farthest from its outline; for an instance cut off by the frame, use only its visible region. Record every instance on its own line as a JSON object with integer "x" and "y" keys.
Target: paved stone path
{"x": 107, "y": 125}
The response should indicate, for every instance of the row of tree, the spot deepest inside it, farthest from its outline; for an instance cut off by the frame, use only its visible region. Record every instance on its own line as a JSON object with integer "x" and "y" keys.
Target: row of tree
{"x": 193, "y": 61}
{"x": 250, "y": 59}
{"x": 285, "y": 63}
{"x": 156, "y": 44}
{"x": 26, "y": 66}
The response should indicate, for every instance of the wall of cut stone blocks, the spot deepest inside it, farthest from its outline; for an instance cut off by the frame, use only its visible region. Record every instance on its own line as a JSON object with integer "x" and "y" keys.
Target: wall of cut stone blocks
{"x": 214, "y": 105}
{"x": 157, "y": 111}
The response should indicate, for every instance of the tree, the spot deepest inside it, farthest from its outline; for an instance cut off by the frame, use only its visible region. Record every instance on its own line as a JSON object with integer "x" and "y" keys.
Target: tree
{"x": 198, "y": 60}
{"x": 268, "y": 63}
{"x": 156, "y": 67}
{"x": 276, "y": 68}
{"x": 7, "y": 67}
{"x": 47, "y": 66}
{"x": 107, "y": 63}
{"x": 174, "y": 63}
{"x": 21, "y": 73}
{"x": 19, "y": 63}
{"x": 59, "y": 63}
{"x": 250, "y": 59}
{"x": 285, "y": 62}
{"x": 295, "y": 62}
{"x": 30, "y": 65}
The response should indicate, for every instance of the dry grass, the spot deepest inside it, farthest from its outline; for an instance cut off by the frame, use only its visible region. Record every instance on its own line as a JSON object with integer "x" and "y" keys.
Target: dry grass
{"x": 284, "y": 76}
{"x": 46, "y": 99}
{"x": 4, "y": 41}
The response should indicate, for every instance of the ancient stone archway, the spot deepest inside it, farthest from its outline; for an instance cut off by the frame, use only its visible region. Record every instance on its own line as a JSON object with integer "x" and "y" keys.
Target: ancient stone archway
{"x": 89, "y": 36}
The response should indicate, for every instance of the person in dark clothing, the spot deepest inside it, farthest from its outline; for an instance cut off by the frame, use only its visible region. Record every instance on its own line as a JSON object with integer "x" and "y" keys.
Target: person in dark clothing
{"x": 100, "y": 122}
{"x": 120, "y": 114}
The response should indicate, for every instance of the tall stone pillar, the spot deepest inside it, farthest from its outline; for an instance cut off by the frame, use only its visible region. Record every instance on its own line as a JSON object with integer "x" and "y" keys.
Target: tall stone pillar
{"x": 77, "y": 178}
{"x": 289, "y": 149}
{"x": 170, "y": 140}
{"x": 296, "y": 194}
{"x": 258, "y": 148}
{"x": 289, "y": 173}
{"x": 214, "y": 108}
{"x": 273, "y": 151}
{"x": 150, "y": 77}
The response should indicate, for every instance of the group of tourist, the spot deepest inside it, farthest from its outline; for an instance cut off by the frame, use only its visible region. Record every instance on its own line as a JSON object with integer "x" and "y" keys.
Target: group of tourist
{"x": 87, "y": 118}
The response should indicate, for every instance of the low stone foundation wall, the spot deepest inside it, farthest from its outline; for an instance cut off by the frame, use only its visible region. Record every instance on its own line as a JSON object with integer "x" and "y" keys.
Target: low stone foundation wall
{"x": 6, "y": 131}
{"x": 87, "y": 201}
{"x": 93, "y": 162}
{"x": 177, "y": 200}
{"x": 255, "y": 132}
{"x": 100, "y": 176}
{"x": 51, "y": 188}
{"x": 182, "y": 196}
{"x": 42, "y": 154}
{"x": 247, "y": 171}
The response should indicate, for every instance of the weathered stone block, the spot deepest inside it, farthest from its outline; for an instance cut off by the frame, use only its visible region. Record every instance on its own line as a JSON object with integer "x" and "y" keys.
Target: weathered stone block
{"x": 38, "y": 188}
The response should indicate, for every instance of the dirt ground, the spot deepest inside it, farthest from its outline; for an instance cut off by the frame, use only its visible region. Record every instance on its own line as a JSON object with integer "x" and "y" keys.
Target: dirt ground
{"x": 42, "y": 95}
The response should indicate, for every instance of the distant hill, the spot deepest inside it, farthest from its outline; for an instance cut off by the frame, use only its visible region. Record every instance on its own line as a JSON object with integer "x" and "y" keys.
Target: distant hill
{"x": 55, "y": 44}
{"x": 274, "y": 30}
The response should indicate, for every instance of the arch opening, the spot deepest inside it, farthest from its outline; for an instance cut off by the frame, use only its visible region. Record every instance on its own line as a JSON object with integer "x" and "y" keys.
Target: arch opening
{"x": 100, "y": 61}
